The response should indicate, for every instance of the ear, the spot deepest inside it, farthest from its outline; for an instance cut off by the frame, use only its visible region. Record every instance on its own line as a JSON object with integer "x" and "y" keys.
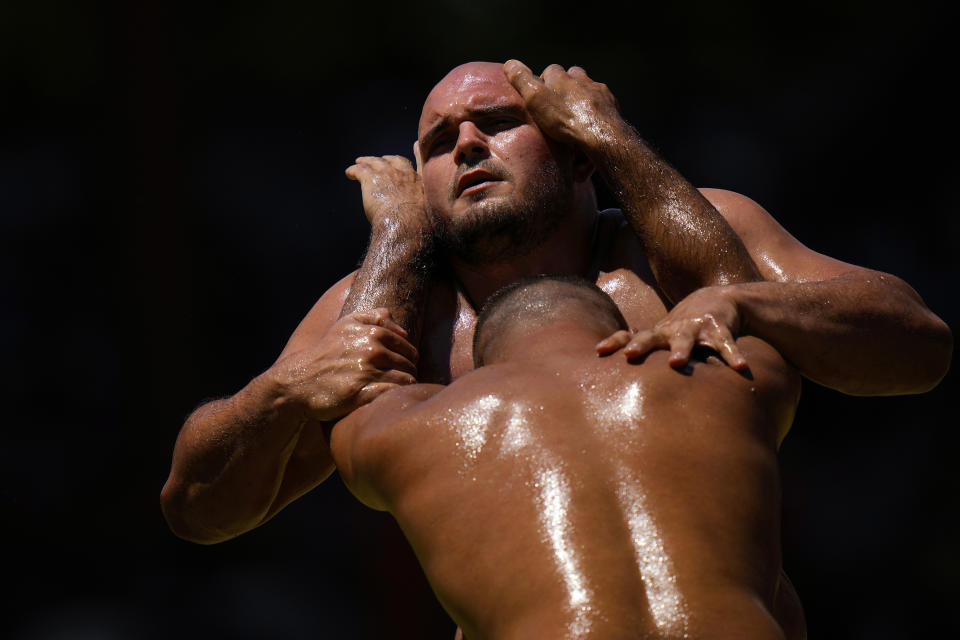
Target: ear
{"x": 416, "y": 155}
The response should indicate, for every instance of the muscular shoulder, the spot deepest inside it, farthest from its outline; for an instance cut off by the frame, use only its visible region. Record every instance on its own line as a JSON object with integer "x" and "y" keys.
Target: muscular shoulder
{"x": 779, "y": 256}
{"x": 361, "y": 441}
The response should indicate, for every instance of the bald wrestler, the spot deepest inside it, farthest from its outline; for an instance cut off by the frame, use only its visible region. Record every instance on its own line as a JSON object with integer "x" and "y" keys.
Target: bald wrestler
{"x": 554, "y": 494}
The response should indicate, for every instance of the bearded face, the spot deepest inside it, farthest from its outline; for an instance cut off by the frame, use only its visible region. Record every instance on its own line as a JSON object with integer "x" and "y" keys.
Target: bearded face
{"x": 493, "y": 230}
{"x": 494, "y": 184}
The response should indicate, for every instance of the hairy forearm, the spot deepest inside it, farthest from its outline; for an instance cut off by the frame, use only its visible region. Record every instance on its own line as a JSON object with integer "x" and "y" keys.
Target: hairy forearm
{"x": 688, "y": 243}
{"x": 395, "y": 273}
{"x": 860, "y": 333}
{"x": 228, "y": 463}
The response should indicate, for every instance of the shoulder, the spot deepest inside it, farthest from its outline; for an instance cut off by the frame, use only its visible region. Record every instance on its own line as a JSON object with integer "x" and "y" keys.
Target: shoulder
{"x": 745, "y": 215}
{"x": 364, "y": 439}
{"x": 779, "y": 256}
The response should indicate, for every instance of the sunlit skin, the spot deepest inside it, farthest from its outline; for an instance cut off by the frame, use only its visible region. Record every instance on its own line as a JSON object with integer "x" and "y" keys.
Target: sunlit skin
{"x": 491, "y": 142}
{"x": 553, "y": 494}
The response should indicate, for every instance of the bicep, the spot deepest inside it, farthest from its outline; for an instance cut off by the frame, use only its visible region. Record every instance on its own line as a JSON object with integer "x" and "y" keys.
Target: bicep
{"x": 779, "y": 256}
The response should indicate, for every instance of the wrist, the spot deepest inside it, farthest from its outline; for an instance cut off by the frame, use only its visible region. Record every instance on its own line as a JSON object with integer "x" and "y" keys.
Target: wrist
{"x": 744, "y": 299}
{"x": 277, "y": 390}
{"x": 410, "y": 235}
{"x": 400, "y": 219}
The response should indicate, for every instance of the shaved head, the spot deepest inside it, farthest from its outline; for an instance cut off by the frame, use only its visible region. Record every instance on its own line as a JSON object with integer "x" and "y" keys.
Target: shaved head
{"x": 467, "y": 78}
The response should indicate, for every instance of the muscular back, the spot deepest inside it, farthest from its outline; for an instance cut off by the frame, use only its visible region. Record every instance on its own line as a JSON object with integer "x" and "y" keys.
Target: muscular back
{"x": 576, "y": 496}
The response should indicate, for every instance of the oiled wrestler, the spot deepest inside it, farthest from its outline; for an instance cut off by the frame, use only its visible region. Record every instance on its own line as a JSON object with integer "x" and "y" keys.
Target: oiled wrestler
{"x": 554, "y": 494}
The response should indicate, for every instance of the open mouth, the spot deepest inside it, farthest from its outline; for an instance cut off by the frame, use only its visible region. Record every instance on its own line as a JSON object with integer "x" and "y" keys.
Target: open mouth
{"x": 474, "y": 181}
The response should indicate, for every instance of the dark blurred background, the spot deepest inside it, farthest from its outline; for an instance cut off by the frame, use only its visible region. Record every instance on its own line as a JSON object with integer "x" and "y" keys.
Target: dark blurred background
{"x": 172, "y": 201}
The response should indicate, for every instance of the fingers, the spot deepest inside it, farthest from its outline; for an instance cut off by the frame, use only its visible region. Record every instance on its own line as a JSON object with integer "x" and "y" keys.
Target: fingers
{"x": 732, "y": 356}
{"x": 380, "y": 317}
{"x": 389, "y": 360}
{"x": 682, "y": 343}
{"x": 399, "y": 162}
{"x": 396, "y": 344}
{"x": 552, "y": 73}
{"x": 522, "y": 79}
{"x": 719, "y": 338}
{"x": 377, "y": 164}
{"x": 646, "y": 341}
{"x": 381, "y": 329}
{"x": 612, "y": 343}
{"x": 396, "y": 378}
{"x": 680, "y": 338}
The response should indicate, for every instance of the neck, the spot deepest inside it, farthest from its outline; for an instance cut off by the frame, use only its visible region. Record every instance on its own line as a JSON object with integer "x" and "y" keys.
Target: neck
{"x": 568, "y": 251}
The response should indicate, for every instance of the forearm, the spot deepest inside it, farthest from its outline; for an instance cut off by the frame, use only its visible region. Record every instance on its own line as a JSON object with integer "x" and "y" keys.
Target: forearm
{"x": 688, "y": 243}
{"x": 229, "y": 462}
{"x": 860, "y": 333}
{"x": 394, "y": 274}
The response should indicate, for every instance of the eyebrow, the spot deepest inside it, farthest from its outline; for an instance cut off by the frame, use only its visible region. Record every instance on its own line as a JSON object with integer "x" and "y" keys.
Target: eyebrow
{"x": 473, "y": 112}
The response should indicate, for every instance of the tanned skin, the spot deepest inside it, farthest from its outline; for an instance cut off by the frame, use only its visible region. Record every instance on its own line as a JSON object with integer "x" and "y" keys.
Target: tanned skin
{"x": 241, "y": 459}
{"x": 553, "y": 494}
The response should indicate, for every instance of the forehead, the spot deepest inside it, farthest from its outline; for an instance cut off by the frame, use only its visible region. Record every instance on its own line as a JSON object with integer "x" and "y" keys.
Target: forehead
{"x": 467, "y": 88}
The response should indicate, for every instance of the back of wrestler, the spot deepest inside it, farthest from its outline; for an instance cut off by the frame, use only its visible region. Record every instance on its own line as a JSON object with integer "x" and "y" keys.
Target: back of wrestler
{"x": 553, "y": 494}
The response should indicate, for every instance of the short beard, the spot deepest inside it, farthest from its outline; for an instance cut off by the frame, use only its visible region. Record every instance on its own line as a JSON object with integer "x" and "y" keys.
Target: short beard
{"x": 498, "y": 231}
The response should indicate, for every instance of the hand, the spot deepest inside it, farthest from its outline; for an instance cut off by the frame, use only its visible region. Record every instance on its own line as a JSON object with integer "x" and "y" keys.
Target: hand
{"x": 363, "y": 354}
{"x": 390, "y": 187}
{"x": 708, "y": 317}
{"x": 567, "y": 105}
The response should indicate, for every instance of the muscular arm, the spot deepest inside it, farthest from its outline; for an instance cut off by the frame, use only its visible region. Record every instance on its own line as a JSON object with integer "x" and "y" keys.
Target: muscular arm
{"x": 688, "y": 243}
{"x": 397, "y": 266}
{"x": 241, "y": 459}
{"x": 852, "y": 329}
{"x": 849, "y": 328}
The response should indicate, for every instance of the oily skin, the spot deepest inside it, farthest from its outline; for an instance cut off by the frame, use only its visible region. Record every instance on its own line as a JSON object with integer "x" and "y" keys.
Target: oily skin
{"x": 241, "y": 459}
{"x": 614, "y": 481}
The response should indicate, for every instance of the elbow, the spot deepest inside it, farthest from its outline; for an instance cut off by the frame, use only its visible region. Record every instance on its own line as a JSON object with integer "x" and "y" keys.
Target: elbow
{"x": 174, "y": 504}
{"x": 937, "y": 354}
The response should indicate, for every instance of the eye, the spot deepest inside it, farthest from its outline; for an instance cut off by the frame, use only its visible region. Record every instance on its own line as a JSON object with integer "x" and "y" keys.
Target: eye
{"x": 440, "y": 145}
{"x": 496, "y": 125}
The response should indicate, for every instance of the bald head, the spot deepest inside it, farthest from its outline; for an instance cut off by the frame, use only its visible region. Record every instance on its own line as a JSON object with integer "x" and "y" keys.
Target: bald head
{"x": 469, "y": 79}
{"x": 538, "y": 302}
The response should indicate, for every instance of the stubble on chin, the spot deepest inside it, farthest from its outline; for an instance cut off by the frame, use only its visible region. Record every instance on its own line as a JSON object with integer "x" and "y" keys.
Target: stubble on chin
{"x": 494, "y": 230}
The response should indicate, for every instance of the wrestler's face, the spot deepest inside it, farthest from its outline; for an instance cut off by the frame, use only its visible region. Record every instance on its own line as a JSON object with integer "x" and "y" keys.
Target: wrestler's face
{"x": 494, "y": 184}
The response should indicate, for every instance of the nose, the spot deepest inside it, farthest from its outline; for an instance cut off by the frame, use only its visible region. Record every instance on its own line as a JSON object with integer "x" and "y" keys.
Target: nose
{"x": 471, "y": 143}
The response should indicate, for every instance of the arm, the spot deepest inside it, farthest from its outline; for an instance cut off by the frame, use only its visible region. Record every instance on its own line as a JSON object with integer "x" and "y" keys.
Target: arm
{"x": 849, "y": 328}
{"x": 688, "y": 243}
{"x": 239, "y": 460}
{"x": 399, "y": 261}
{"x": 852, "y": 329}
